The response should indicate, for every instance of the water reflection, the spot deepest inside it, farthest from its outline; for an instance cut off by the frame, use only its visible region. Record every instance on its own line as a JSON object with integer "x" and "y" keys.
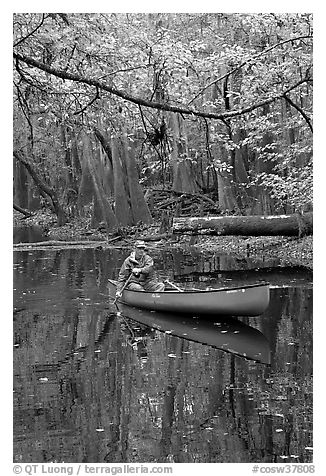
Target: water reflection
{"x": 230, "y": 335}
{"x": 94, "y": 386}
{"x": 28, "y": 234}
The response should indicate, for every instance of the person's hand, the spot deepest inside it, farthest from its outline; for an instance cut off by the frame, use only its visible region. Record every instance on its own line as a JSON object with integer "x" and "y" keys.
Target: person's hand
{"x": 136, "y": 271}
{"x": 118, "y": 294}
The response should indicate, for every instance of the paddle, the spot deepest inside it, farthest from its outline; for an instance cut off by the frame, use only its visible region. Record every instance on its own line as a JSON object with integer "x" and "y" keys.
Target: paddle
{"x": 125, "y": 284}
{"x": 173, "y": 285}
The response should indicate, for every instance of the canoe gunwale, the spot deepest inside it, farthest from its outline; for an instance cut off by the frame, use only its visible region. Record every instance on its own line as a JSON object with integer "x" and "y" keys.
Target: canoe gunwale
{"x": 258, "y": 285}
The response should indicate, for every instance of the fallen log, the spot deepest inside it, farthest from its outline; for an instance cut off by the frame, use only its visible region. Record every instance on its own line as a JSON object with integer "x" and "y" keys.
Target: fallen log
{"x": 158, "y": 237}
{"x": 170, "y": 201}
{"x": 255, "y": 225}
{"x": 62, "y": 244}
{"x": 59, "y": 243}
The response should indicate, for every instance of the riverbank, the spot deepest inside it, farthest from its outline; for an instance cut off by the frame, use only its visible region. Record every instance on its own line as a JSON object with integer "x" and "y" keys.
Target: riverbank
{"x": 287, "y": 251}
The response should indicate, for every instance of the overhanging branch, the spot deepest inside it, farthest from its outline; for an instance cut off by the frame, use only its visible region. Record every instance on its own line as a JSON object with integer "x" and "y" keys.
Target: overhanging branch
{"x": 65, "y": 75}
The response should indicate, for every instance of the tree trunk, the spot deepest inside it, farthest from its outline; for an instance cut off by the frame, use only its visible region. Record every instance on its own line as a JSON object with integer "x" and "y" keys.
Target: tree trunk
{"x": 20, "y": 184}
{"x": 139, "y": 207}
{"x": 75, "y": 160}
{"x": 67, "y": 157}
{"x": 44, "y": 188}
{"x": 183, "y": 174}
{"x": 102, "y": 200}
{"x": 121, "y": 194}
{"x": 104, "y": 143}
{"x": 107, "y": 162}
{"x": 73, "y": 170}
{"x": 97, "y": 215}
{"x": 257, "y": 225}
{"x": 86, "y": 188}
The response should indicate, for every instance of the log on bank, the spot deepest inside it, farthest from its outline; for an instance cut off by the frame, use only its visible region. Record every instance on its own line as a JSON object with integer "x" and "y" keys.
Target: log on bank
{"x": 254, "y": 225}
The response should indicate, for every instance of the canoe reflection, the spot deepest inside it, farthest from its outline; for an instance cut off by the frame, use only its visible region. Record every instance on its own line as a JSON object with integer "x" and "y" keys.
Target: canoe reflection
{"x": 230, "y": 335}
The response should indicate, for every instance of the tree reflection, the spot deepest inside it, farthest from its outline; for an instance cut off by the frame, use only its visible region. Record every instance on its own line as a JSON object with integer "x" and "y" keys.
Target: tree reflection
{"x": 92, "y": 386}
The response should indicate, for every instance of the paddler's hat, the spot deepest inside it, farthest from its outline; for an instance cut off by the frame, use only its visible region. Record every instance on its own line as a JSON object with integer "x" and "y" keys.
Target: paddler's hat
{"x": 140, "y": 244}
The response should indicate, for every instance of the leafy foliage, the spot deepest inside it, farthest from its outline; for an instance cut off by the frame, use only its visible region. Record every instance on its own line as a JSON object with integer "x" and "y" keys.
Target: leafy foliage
{"x": 247, "y": 75}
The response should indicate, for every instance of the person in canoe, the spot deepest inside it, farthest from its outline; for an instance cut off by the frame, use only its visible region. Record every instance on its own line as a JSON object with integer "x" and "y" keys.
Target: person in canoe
{"x": 139, "y": 266}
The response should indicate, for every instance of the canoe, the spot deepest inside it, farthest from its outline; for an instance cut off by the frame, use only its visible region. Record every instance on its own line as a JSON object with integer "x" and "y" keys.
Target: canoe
{"x": 230, "y": 335}
{"x": 251, "y": 300}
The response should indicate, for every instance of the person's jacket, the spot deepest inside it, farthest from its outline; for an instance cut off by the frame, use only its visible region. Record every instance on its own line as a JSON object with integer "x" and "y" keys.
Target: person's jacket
{"x": 145, "y": 263}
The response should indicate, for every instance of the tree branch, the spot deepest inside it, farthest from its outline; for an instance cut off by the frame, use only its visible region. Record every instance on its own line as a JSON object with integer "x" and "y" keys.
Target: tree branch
{"x": 97, "y": 96}
{"x": 24, "y": 212}
{"x": 104, "y": 143}
{"x": 147, "y": 133}
{"x": 23, "y": 103}
{"x": 249, "y": 60}
{"x": 40, "y": 184}
{"x": 298, "y": 108}
{"x": 151, "y": 104}
{"x": 32, "y": 32}
{"x": 43, "y": 187}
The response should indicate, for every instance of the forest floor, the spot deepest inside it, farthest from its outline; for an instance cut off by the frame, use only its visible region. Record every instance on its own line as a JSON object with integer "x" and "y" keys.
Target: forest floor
{"x": 287, "y": 251}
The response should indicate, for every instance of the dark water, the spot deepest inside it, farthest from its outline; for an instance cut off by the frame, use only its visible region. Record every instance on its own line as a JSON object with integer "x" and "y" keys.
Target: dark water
{"x": 94, "y": 385}
{"x": 28, "y": 234}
